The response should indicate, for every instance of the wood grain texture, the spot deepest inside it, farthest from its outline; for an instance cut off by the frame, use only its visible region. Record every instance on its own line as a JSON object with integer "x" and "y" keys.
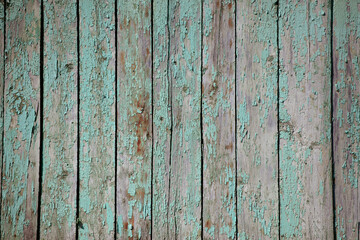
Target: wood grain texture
{"x": 59, "y": 173}
{"x": 2, "y": 83}
{"x": 346, "y": 115}
{"x": 305, "y": 120}
{"x": 162, "y": 123}
{"x": 257, "y": 130}
{"x": 185, "y": 95}
{"x": 97, "y": 119}
{"x": 20, "y": 178}
{"x": 134, "y": 120}
{"x": 218, "y": 118}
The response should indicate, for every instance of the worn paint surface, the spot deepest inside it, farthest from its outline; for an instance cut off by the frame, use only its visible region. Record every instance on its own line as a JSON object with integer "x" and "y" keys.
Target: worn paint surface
{"x": 305, "y": 120}
{"x": 218, "y": 117}
{"x": 97, "y": 120}
{"x": 162, "y": 123}
{"x": 21, "y": 126}
{"x": 229, "y": 83}
{"x": 346, "y": 115}
{"x": 59, "y": 172}
{"x": 134, "y": 120}
{"x": 257, "y": 130}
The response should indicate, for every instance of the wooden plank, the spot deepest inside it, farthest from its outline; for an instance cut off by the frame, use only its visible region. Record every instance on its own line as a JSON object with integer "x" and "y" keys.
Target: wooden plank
{"x": 97, "y": 119}
{"x": 218, "y": 117}
{"x": 162, "y": 124}
{"x": 134, "y": 120}
{"x": 59, "y": 173}
{"x": 2, "y": 83}
{"x": 305, "y": 120}
{"x": 257, "y": 130}
{"x": 185, "y": 94}
{"x": 20, "y": 180}
{"x": 346, "y": 115}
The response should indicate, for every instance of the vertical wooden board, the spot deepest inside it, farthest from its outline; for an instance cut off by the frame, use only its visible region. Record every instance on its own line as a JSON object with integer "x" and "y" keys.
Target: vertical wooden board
{"x": 218, "y": 118}
{"x": 305, "y": 120}
{"x": 59, "y": 173}
{"x": 162, "y": 124}
{"x": 185, "y": 93}
{"x": 2, "y": 75}
{"x": 134, "y": 120}
{"x": 22, "y": 121}
{"x": 257, "y": 130}
{"x": 97, "y": 119}
{"x": 346, "y": 115}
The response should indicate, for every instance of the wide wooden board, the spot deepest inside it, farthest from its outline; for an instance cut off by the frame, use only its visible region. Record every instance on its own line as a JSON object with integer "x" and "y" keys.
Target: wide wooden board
{"x": 306, "y": 209}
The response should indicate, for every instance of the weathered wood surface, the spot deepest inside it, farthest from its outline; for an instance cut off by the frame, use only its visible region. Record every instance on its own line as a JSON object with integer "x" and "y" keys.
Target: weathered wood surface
{"x": 59, "y": 171}
{"x": 20, "y": 177}
{"x": 185, "y": 96}
{"x": 134, "y": 111}
{"x": 162, "y": 122}
{"x": 218, "y": 118}
{"x": 97, "y": 119}
{"x": 2, "y": 82}
{"x": 346, "y": 115}
{"x": 180, "y": 119}
{"x": 257, "y": 128}
{"x": 306, "y": 209}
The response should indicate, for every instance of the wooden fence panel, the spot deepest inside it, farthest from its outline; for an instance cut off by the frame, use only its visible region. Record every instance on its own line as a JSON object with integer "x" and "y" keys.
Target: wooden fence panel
{"x": 306, "y": 209}
{"x": 257, "y": 121}
{"x": 97, "y": 119}
{"x": 218, "y": 120}
{"x": 346, "y": 115}
{"x": 134, "y": 119}
{"x": 59, "y": 171}
{"x": 20, "y": 178}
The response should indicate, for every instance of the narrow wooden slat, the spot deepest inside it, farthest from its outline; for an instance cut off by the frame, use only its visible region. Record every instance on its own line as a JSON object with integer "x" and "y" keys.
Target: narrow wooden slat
{"x": 20, "y": 182}
{"x": 162, "y": 128}
{"x": 346, "y": 115}
{"x": 185, "y": 94}
{"x": 305, "y": 120}
{"x": 59, "y": 173}
{"x": 218, "y": 117}
{"x": 257, "y": 133}
{"x": 2, "y": 74}
{"x": 134, "y": 120}
{"x": 97, "y": 119}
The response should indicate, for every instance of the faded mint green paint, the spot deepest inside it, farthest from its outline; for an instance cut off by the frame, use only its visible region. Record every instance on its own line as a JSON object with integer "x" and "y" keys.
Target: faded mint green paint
{"x": 59, "y": 173}
{"x": 97, "y": 119}
{"x": 305, "y": 131}
{"x": 257, "y": 133}
{"x": 185, "y": 100}
{"x": 2, "y": 85}
{"x": 346, "y": 115}
{"x": 134, "y": 120}
{"x": 21, "y": 129}
{"x": 162, "y": 131}
{"x": 218, "y": 111}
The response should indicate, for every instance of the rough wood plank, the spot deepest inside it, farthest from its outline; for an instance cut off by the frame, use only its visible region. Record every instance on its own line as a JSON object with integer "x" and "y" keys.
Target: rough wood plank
{"x": 257, "y": 133}
{"x": 185, "y": 94}
{"x": 59, "y": 173}
{"x": 305, "y": 120}
{"x": 97, "y": 119}
{"x": 22, "y": 121}
{"x": 346, "y": 115}
{"x": 162, "y": 124}
{"x": 2, "y": 83}
{"x": 218, "y": 117}
{"x": 134, "y": 120}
